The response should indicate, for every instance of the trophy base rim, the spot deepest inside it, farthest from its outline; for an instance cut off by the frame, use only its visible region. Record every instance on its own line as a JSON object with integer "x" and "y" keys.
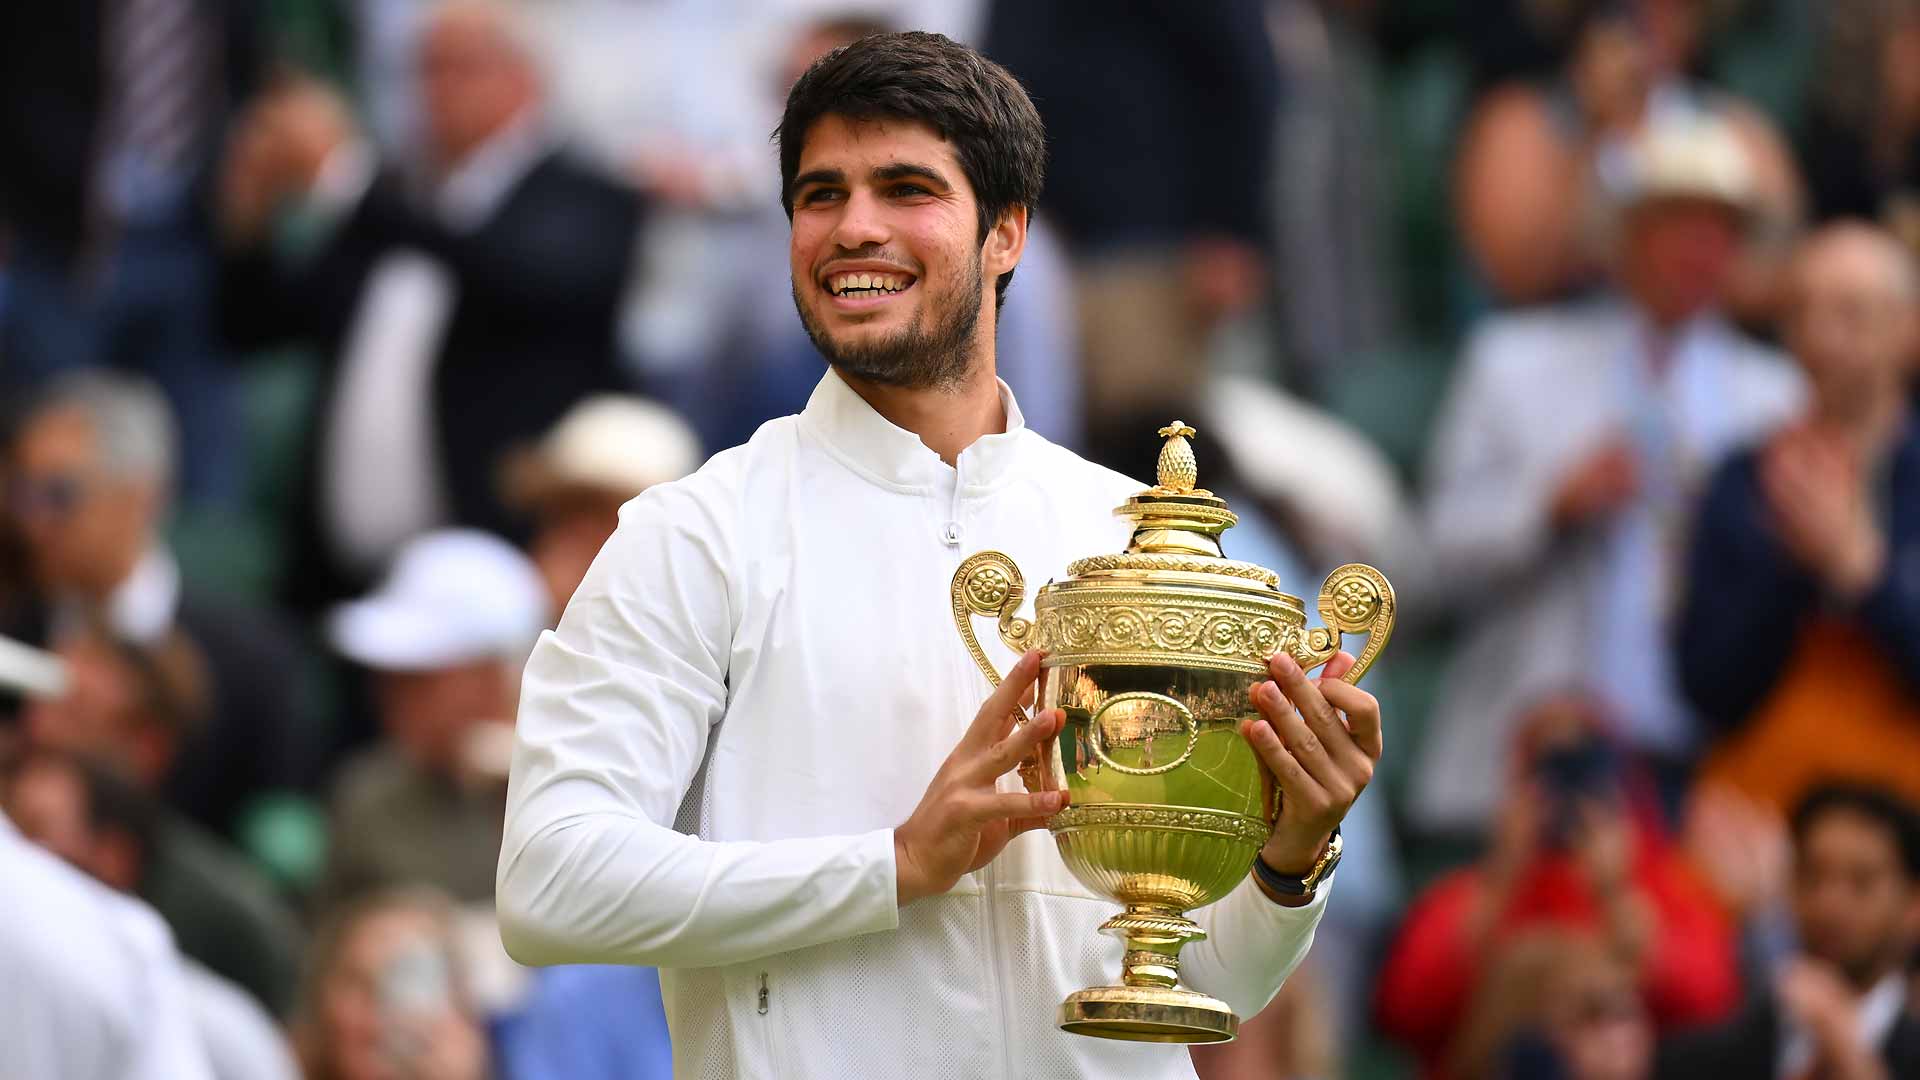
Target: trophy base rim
{"x": 1148, "y": 1014}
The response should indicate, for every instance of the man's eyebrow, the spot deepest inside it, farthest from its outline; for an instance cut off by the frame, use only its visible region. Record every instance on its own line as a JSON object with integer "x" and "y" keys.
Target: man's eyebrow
{"x": 900, "y": 170}
{"x": 819, "y": 176}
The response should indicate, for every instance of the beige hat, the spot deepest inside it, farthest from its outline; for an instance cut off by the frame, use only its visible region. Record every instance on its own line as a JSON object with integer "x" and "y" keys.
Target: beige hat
{"x": 614, "y": 443}
{"x": 1695, "y": 156}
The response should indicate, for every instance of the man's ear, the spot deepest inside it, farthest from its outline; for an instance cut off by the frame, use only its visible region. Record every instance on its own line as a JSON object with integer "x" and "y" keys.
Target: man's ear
{"x": 1005, "y": 243}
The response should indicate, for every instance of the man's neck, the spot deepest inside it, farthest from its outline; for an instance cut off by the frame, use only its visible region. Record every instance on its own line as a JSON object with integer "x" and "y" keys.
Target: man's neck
{"x": 948, "y": 419}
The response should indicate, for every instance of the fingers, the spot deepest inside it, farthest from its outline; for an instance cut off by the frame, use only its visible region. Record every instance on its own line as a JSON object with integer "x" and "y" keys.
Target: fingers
{"x": 996, "y": 715}
{"x": 1019, "y": 808}
{"x": 1294, "y": 780}
{"x": 1017, "y": 747}
{"x": 1363, "y": 715}
{"x": 1338, "y": 667}
{"x": 1329, "y": 731}
{"x": 1299, "y": 741}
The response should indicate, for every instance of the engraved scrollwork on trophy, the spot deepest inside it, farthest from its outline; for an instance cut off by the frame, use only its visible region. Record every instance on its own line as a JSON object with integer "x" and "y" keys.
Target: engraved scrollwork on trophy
{"x": 1144, "y": 720}
{"x": 1172, "y": 819}
{"x": 990, "y": 584}
{"x": 1110, "y": 626}
{"x": 1356, "y": 599}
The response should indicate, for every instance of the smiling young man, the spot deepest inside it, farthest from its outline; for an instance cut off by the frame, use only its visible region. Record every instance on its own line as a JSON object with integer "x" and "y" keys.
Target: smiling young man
{"x": 754, "y": 752}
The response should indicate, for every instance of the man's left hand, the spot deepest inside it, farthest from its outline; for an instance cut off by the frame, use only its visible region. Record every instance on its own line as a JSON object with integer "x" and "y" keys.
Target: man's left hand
{"x": 1321, "y": 761}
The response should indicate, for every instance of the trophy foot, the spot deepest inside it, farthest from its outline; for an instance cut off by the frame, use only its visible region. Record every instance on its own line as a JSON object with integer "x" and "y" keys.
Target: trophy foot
{"x": 1148, "y": 1014}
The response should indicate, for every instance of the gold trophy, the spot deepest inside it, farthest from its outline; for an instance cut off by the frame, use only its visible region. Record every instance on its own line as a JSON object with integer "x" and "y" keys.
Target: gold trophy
{"x": 1152, "y": 653}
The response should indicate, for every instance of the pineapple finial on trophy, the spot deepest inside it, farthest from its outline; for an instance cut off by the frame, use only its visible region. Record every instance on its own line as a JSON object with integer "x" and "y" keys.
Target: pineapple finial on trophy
{"x": 1178, "y": 471}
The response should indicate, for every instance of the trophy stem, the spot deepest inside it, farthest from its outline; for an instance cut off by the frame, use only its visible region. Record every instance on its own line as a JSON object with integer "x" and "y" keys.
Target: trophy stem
{"x": 1150, "y": 1005}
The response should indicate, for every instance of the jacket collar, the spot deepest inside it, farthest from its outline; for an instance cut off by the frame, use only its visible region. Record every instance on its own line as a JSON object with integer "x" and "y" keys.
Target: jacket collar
{"x": 894, "y": 457}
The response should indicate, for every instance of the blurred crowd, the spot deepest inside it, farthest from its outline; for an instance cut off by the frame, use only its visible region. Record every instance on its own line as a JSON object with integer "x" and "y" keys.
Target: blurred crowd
{"x": 334, "y": 334}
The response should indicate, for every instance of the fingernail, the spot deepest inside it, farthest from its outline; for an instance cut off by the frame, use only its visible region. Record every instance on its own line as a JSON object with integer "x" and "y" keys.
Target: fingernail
{"x": 1285, "y": 663}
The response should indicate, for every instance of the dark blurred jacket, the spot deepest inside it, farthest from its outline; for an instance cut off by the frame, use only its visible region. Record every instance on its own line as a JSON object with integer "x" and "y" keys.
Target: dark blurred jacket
{"x": 53, "y": 80}
{"x": 532, "y": 330}
{"x": 1159, "y": 115}
{"x": 1749, "y": 1045}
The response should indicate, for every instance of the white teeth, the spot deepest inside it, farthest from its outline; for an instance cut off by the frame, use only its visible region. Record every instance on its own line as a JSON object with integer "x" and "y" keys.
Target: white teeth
{"x": 840, "y": 284}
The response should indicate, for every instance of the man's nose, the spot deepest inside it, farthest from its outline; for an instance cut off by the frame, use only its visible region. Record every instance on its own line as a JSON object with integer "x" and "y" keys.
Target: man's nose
{"x": 861, "y": 223}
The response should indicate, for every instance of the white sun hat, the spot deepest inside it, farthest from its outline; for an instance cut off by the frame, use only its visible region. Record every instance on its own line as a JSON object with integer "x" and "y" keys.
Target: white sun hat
{"x": 451, "y": 597}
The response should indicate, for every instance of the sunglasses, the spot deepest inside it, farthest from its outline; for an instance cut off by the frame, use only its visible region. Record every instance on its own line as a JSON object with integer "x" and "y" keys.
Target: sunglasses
{"x": 55, "y": 496}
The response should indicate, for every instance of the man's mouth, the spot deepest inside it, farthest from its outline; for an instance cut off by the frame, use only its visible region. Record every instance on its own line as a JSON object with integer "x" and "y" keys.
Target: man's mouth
{"x": 863, "y": 285}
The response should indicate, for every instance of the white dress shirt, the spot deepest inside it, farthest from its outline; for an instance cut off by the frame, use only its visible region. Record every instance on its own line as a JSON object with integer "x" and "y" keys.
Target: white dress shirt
{"x": 751, "y": 688}
{"x": 90, "y": 984}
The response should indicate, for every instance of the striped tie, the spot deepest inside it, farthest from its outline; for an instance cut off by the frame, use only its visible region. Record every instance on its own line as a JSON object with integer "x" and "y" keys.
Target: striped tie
{"x": 161, "y": 66}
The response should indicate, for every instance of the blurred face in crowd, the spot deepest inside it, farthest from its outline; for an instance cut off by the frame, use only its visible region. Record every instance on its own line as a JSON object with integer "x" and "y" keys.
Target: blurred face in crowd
{"x": 475, "y": 80}
{"x": 431, "y": 714}
{"x": 47, "y": 800}
{"x": 1597, "y": 1022}
{"x": 102, "y": 715}
{"x": 83, "y": 527}
{"x": 1678, "y": 256}
{"x": 1855, "y": 905}
{"x": 385, "y": 987}
{"x": 890, "y": 274}
{"x": 571, "y": 531}
{"x": 1853, "y": 321}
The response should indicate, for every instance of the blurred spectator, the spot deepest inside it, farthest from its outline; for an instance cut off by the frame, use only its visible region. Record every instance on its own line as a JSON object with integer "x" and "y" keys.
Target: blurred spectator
{"x": 461, "y": 311}
{"x": 1839, "y": 1009}
{"x": 1540, "y": 163}
{"x": 93, "y": 989}
{"x": 384, "y": 996}
{"x": 445, "y": 635}
{"x": 222, "y": 912}
{"x": 589, "y": 1022}
{"x": 1160, "y": 120}
{"x": 1556, "y": 1004}
{"x": 1800, "y": 632}
{"x": 604, "y": 451}
{"x": 1574, "y": 845}
{"x": 90, "y": 488}
{"x": 112, "y": 113}
{"x": 1862, "y": 139}
{"x": 1566, "y": 463}
{"x": 1293, "y": 1038}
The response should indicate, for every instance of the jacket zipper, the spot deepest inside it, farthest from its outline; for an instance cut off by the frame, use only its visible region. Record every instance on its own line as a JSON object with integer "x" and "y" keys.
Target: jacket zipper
{"x": 991, "y": 896}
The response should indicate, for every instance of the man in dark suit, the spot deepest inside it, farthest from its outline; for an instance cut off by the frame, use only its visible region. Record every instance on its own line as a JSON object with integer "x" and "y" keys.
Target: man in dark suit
{"x": 1839, "y": 1010}
{"x": 112, "y": 113}
{"x": 91, "y": 466}
{"x": 462, "y": 311}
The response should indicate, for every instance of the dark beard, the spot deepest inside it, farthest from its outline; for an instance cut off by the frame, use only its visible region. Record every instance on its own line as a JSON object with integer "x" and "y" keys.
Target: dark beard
{"x": 917, "y": 357}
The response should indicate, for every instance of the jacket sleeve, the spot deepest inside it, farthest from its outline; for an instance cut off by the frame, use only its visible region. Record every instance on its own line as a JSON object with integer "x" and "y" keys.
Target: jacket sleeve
{"x": 1744, "y": 593}
{"x": 1891, "y": 610}
{"x": 616, "y": 710}
{"x": 1488, "y": 508}
{"x": 1252, "y": 945}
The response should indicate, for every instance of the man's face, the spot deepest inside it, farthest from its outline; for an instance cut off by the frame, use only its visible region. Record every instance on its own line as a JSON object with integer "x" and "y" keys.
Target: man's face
{"x": 569, "y": 534}
{"x": 1854, "y": 903}
{"x": 1679, "y": 255}
{"x": 97, "y": 715}
{"x": 430, "y": 714}
{"x": 82, "y": 526}
{"x": 886, "y": 256}
{"x": 472, "y": 82}
{"x": 1852, "y": 326}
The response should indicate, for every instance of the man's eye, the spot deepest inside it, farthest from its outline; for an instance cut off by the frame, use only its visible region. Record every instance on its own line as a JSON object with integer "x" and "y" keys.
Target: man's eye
{"x": 818, "y": 196}
{"x": 910, "y": 190}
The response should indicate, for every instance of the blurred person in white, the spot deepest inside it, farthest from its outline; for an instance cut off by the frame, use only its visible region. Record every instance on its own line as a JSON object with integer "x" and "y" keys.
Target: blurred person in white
{"x": 754, "y": 754}
{"x": 80, "y": 809}
{"x": 1557, "y": 1004}
{"x": 88, "y": 790}
{"x": 1835, "y": 1005}
{"x": 1566, "y": 463}
{"x": 443, "y": 635}
{"x": 90, "y": 491}
{"x": 385, "y": 994}
{"x": 1540, "y": 165}
{"x": 460, "y": 307}
{"x": 93, "y": 989}
{"x": 603, "y": 452}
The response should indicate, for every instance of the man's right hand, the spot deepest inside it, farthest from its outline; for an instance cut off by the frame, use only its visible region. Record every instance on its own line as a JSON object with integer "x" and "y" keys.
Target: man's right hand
{"x": 962, "y": 822}
{"x": 1601, "y": 483}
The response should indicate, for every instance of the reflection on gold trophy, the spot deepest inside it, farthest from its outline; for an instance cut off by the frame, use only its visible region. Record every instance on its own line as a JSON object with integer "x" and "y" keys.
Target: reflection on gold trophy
{"x": 1151, "y": 654}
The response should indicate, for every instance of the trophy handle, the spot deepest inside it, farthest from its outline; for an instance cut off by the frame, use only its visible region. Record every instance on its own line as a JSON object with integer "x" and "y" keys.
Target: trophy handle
{"x": 990, "y": 584}
{"x": 1356, "y": 599}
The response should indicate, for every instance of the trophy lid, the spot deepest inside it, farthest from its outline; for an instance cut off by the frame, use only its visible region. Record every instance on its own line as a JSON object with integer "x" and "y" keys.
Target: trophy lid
{"x": 1177, "y": 525}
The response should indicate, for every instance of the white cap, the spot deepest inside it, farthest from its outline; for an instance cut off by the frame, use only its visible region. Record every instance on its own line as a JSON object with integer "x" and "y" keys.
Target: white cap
{"x": 609, "y": 442}
{"x": 1694, "y": 155}
{"x": 451, "y": 597}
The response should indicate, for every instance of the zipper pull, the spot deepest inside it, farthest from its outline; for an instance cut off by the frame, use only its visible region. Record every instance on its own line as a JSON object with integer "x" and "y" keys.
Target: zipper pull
{"x": 763, "y": 993}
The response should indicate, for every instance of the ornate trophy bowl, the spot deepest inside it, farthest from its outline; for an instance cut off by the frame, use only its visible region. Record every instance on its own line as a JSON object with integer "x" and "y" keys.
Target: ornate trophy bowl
{"x": 1152, "y": 653}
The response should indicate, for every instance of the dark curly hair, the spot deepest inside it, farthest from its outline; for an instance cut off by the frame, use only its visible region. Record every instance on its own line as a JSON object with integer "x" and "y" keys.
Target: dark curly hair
{"x": 973, "y": 103}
